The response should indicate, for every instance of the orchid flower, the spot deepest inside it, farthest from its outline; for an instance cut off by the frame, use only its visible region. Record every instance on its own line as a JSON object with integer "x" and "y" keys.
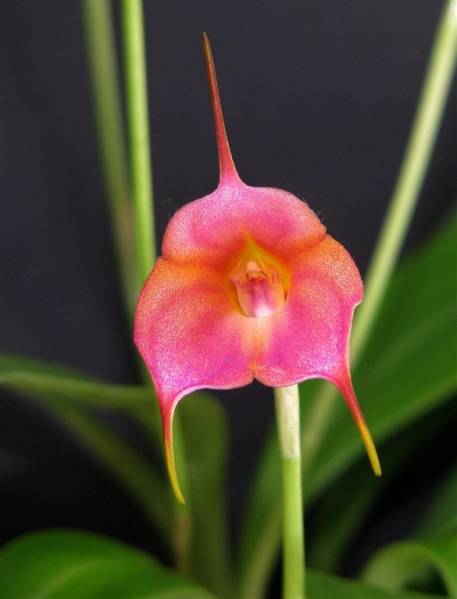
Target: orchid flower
{"x": 249, "y": 286}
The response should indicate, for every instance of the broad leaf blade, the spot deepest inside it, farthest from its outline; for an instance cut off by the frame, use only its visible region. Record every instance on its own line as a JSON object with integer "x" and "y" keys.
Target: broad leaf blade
{"x": 324, "y": 586}
{"x": 129, "y": 467}
{"x": 68, "y": 393}
{"x": 205, "y": 434}
{"x": 261, "y": 531}
{"x": 400, "y": 564}
{"x": 443, "y": 512}
{"x": 22, "y": 374}
{"x": 72, "y": 565}
{"x": 341, "y": 513}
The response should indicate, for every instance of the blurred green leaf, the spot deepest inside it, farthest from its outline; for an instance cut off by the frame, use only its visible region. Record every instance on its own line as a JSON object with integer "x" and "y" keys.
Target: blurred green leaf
{"x": 104, "y": 80}
{"x": 325, "y": 586}
{"x": 205, "y": 434}
{"x": 27, "y": 375}
{"x": 443, "y": 511}
{"x": 407, "y": 370}
{"x": 341, "y": 513}
{"x": 68, "y": 394}
{"x": 134, "y": 472}
{"x": 416, "y": 560}
{"x": 400, "y": 564}
{"x": 260, "y": 534}
{"x": 73, "y": 565}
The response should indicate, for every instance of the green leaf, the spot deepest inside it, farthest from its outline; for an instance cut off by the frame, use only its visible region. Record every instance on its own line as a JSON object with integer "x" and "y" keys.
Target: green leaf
{"x": 324, "y": 586}
{"x": 205, "y": 434}
{"x": 104, "y": 79}
{"x": 68, "y": 394}
{"x": 129, "y": 467}
{"x": 73, "y": 565}
{"x": 443, "y": 512}
{"x": 23, "y": 374}
{"x": 441, "y": 517}
{"x": 349, "y": 501}
{"x": 407, "y": 370}
{"x": 400, "y": 564}
{"x": 262, "y": 527}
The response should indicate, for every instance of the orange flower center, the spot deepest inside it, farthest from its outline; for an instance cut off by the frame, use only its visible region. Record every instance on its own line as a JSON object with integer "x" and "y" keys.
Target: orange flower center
{"x": 258, "y": 285}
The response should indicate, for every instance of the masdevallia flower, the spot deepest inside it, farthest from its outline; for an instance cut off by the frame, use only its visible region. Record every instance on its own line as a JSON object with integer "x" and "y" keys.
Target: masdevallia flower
{"x": 249, "y": 285}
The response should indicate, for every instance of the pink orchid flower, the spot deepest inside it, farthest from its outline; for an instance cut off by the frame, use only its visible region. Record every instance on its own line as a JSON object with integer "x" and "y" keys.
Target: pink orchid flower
{"x": 249, "y": 285}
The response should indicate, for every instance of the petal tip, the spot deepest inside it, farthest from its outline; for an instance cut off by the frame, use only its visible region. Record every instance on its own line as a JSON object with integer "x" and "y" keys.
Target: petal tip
{"x": 370, "y": 447}
{"x": 227, "y": 169}
{"x": 171, "y": 467}
{"x": 347, "y": 390}
{"x": 167, "y": 423}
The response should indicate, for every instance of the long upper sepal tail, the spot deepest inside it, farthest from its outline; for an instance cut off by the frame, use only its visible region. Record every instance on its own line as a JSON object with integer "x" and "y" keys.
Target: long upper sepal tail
{"x": 226, "y": 165}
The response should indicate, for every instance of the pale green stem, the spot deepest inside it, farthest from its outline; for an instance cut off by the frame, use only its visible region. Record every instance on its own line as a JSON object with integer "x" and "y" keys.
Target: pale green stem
{"x": 142, "y": 189}
{"x": 413, "y": 169}
{"x": 102, "y": 62}
{"x": 288, "y": 420}
{"x": 110, "y": 134}
{"x": 138, "y": 125}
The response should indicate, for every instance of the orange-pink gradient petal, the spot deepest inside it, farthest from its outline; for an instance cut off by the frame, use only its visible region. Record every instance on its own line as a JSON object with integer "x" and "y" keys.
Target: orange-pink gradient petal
{"x": 308, "y": 338}
{"x": 188, "y": 330}
{"x": 213, "y": 229}
{"x": 190, "y": 336}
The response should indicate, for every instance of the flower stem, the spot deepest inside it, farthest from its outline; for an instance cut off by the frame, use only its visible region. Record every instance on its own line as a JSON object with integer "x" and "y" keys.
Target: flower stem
{"x": 141, "y": 179}
{"x": 138, "y": 123}
{"x": 413, "y": 169}
{"x": 288, "y": 421}
{"x": 105, "y": 92}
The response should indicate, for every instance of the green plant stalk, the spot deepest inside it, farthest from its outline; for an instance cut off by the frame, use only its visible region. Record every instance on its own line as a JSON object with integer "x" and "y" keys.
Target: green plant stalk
{"x": 102, "y": 62}
{"x": 135, "y": 260}
{"x": 404, "y": 199}
{"x": 138, "y": 127}
{"x": 97, "y": 20}
{"x": 288, "y": 421}
{"x": 429, "y": 114}
{"x": 142, "y": 189}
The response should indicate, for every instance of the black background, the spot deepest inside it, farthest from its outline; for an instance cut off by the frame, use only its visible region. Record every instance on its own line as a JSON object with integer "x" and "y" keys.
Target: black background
{"x": 318, "y": 98}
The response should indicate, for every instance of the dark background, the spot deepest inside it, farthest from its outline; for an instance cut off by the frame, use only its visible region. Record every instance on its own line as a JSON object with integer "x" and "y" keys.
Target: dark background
{"x": 318, "y": 98}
